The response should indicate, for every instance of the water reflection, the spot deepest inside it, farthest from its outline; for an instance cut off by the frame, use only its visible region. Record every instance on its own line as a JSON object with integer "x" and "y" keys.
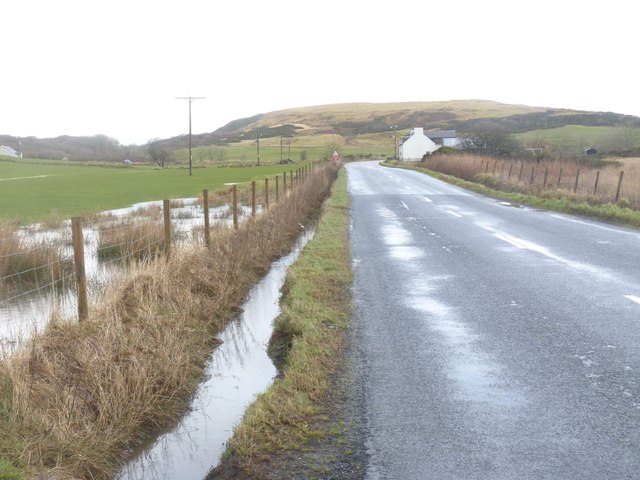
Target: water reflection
{"x": 237, "y": 371}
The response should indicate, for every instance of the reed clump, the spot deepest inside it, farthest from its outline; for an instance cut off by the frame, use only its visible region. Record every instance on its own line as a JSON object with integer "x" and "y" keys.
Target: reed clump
{"x": 25, "y": 263}
{"x": 79, "y": 396}
{"x": 130, "y": 239}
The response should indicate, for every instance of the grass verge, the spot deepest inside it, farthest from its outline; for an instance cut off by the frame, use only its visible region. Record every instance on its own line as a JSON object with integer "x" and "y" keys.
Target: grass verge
{"x": 77, "y": 397}
{"x": 309, "y": 341}
{"x": 608, "y": 212}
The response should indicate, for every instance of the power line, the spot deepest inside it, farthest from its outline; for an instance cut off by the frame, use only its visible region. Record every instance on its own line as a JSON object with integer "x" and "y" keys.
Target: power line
{"x": 190, "y": 99}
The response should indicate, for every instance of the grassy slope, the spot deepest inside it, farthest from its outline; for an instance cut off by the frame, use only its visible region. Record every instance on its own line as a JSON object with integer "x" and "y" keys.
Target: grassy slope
{"x": 326, "y": 115}
{"x": 310, "y": 334}
{"x": 72, "y": 189}
{"x": 580, "y": 136}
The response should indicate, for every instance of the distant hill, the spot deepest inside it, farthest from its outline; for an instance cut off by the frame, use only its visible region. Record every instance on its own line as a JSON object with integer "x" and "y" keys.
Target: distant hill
{"x": 465, "y": 116}
{"x": 94, "y": 148}
{"x": 347, "y": 120}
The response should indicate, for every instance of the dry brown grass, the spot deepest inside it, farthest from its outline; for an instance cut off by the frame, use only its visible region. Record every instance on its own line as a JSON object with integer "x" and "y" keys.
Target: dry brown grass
{"x": 80, "y": 394}
{"x": 546, "y": 178}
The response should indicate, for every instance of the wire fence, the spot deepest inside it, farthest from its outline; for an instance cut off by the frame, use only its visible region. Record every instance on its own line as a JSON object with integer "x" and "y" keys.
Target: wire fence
{"x": 47, "y": 270}
{"x": 602, "y": 185}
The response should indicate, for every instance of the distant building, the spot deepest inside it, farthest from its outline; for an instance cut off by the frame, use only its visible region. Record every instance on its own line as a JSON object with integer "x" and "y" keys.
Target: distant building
{"x": 127, "y": 162}
{"x": 590, "y": 151}
{"x": 444, "y": 138}
{"x": 416, "y": 145}
{"x": 9, "y": 152}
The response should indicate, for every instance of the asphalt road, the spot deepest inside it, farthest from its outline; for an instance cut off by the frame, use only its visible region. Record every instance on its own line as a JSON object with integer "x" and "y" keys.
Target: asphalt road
{"x": 492, "y": 341}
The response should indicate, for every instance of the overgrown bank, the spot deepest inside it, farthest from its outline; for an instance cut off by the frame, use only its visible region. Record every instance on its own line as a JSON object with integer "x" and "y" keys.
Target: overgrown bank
{"x": 555, "y": 201}
{"x": 79, "y": 396}
{"x": 297, "y": 428}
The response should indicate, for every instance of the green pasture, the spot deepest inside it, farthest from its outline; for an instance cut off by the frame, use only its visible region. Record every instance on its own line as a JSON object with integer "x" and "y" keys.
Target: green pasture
{"x": 246, "y": 154}
{"x": 31, "y": 191}
{"x": 578, "y": 137}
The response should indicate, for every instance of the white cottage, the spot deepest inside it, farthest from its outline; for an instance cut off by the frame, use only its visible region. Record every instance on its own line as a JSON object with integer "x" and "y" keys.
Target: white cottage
{"x": 416, "y": 145}
{"x": 9, "y": 152}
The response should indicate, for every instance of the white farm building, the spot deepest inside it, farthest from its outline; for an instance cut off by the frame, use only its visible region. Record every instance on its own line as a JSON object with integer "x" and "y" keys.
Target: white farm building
{"x": 9, "y": 152}
{"x": 416, "y": 145}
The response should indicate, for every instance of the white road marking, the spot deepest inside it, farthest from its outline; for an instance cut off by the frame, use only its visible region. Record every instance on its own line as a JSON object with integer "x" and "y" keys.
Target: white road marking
{"x": 591, "y": 224}
{"x": 512, "y": 240}
{"x": 404, "y": 205}
{"x": 633, "y": 298}
{"x": 427, "y": 199}
{"x": 457, "y": 215}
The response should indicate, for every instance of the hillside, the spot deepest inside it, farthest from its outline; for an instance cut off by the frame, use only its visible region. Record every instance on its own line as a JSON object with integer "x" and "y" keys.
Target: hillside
{"x": 349, "y": 121}
{"x": 464, "y": 115}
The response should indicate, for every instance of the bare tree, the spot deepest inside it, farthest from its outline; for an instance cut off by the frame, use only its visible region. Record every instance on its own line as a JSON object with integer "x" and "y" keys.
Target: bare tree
{"x": 157, "y": 152}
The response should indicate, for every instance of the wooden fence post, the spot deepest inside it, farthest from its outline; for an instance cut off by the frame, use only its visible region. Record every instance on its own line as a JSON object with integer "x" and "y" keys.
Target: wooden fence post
{"x": 559, "y": 178}
{"x": 546, "y": 174}
{"x": 284, "y": 183}
{"x": 81, "y": 278}
{"x": 486, "y": 168}
{"x": 575, "y": 187}
{"x": 234, "y": 194}
{"x": 533, "y": 173}
{"x": 595, "y": 187}
{"x": 291, "y": 178}
{"x": 266, "y": 193}
{"x": 205, "y": 208}
{"x": 253, "y": 198}
{"x": 510, "y": 168}
{"x": 277, "y": 188}
{"x": 520, "y": 173}
{"x": 619, "y": 185}
{"x": 166, "y": 211}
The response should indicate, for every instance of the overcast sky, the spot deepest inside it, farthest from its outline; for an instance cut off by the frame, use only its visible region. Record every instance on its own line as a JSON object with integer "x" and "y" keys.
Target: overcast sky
{"x": 115, "y": 67}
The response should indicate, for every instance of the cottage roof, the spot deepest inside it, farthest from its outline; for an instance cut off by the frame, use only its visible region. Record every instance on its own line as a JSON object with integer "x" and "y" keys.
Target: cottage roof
{"x": 441, "y": 134}
{"x": 6, "y": 150}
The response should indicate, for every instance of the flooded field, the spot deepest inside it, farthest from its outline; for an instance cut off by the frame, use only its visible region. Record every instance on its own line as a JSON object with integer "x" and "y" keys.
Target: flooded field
{"x": 27, "y": 306}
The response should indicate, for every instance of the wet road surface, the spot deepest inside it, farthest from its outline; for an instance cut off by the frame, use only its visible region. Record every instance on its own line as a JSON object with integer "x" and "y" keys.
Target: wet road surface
{"x": 492, "y": 341}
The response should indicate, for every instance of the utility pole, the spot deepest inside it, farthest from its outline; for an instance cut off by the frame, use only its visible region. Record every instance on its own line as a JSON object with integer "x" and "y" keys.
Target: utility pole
{"x": 289, "y": 147}
{"x": 190, "y": 99}
{"x": 258, "y": 145}
{"x": 395, "y": 141}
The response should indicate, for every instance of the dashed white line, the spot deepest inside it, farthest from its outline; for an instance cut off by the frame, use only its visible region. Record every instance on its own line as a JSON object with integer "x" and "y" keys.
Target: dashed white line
{"x": 512, "y": 240}
{"x": 455, "y": 214}
{"x": 404, "y": 205}
{"x": 427, "y": 199}
{"x": 633, "y": 298}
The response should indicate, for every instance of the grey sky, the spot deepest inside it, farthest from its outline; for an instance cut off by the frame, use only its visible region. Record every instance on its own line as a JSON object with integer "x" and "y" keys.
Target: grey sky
{"x": 86, "y": 67}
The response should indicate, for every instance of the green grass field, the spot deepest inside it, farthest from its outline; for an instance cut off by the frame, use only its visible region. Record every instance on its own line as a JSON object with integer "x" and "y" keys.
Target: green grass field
{"x": 30, "y": 191}
{"x": 313, "y": 146}
{"x": 578, "y": 137}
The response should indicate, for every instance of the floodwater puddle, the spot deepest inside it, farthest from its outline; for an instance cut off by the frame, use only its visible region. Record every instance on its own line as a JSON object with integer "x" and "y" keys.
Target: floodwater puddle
{"x": 27, "y": 311}
{"x": 237, "y": 371}
{"x": 477, "y": 377}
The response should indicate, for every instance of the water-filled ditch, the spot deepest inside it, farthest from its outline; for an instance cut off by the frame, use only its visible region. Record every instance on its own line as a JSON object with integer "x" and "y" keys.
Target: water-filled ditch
{"x": 237, "y": 371}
